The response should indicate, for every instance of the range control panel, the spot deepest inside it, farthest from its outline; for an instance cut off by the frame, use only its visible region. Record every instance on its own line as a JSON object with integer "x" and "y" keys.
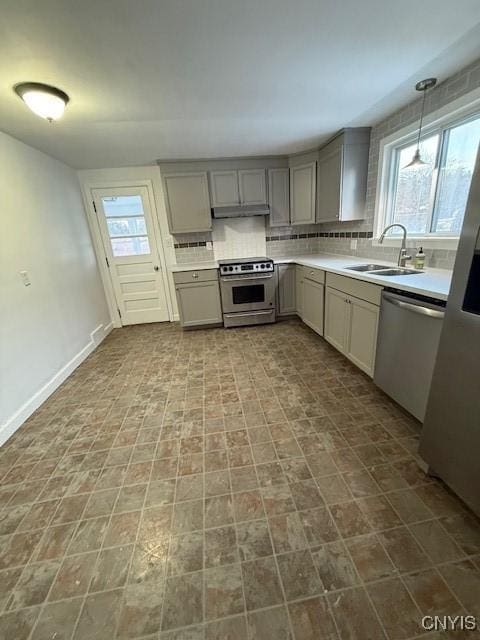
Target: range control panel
{"x": 246, "y": 267}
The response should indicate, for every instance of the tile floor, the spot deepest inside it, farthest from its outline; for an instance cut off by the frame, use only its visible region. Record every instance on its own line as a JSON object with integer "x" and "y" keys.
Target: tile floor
{"x": 226, "y": 485}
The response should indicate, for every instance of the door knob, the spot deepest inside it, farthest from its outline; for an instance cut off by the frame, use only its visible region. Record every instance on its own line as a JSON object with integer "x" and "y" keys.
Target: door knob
{"x": 156, "y": 267}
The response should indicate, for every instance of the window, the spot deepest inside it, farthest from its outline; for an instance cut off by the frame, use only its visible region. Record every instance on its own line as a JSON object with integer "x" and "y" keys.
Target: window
{"x": 126, "y": 225}
{"x": 430, "y": 200}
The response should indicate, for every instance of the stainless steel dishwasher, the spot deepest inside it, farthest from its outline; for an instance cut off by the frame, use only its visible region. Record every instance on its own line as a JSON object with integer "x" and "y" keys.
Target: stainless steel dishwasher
{"x": 408, "y": 337}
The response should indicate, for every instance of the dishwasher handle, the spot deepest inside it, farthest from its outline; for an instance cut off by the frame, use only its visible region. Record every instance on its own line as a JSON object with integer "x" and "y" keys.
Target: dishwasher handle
{"x": 415, "y": 308}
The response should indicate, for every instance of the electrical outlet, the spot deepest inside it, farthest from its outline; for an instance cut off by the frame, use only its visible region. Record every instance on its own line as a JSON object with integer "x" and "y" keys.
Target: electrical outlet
{"x": 25, "y": 278}
{"x": 353, "y": 244}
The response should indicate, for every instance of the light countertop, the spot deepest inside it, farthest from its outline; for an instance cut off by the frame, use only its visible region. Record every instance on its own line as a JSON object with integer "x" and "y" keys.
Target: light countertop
{"x": 434, "y": 283}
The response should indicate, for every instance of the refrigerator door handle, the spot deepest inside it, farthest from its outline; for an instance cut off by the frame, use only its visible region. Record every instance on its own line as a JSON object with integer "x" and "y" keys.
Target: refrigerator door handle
{"x": 423, "y": 311}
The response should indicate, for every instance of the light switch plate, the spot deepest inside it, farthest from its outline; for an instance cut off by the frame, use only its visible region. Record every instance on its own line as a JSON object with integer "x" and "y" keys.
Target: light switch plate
{"x": 209, "y": 245}
{"x": 25, "y": 278}
{"x": 353, "y": 244}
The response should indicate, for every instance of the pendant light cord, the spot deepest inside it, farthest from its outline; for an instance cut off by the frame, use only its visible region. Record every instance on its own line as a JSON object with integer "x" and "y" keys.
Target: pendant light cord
{"x": 421, "y": 119}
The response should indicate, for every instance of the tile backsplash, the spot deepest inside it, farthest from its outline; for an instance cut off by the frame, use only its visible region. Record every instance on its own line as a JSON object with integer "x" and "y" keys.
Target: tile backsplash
{"x": 239, "y": 237}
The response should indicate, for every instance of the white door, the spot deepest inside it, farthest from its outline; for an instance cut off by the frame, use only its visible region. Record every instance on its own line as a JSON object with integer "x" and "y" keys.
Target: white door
{"x": 126, "y": 225}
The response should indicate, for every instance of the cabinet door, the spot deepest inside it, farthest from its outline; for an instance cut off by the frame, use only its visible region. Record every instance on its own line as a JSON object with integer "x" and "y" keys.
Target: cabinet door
{"x": 199, "y": 303}
{"x": 252, "y": 186}
{"x": 224, "y": 188}
{"x": 187, "y": 202}
{"x": 302, "y": 193}
{"x": 279, "y": 197}
{"x": 336, "y": 318}
{"x": 313, "y": 305}
{"x": 299, "y": 289}
{"x": 362, "y": 334}
{"x": 286, "y": 289}
{"x": 329, "y": 185}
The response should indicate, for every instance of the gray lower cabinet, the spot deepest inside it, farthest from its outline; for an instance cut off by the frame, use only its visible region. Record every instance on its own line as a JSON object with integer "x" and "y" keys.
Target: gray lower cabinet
{"x": 312, "y": 313}
{"x": 198, "y": 298}
{"x": 351, "y": 322}
{"x": 187, "y": 202}
{"x": 286, "y": 289}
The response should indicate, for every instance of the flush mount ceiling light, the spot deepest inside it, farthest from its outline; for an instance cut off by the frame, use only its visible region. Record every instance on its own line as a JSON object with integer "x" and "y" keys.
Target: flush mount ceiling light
{"x": 423, "y": 85}
{"x": 46, "y": 101}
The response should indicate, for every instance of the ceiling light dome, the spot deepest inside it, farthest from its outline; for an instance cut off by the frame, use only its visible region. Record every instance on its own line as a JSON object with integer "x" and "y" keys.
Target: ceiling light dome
{"x": 46, "y": 101}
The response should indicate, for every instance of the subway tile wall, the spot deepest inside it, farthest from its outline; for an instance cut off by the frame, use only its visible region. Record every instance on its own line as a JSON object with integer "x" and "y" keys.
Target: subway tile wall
{"x": 335, "y": 237}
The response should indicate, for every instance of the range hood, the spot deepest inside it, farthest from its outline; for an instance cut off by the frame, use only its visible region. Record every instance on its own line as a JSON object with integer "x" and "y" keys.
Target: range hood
{"x": 241, "y": 211}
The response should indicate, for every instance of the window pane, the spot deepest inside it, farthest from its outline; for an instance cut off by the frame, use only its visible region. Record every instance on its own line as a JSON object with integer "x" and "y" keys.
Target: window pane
{"x": 126, "y": 226}
{"x": 130, "y": 246}
{"x": 455, "y": 177}
{"x": 412, "y": 204}
{"x": 123, "y": 206}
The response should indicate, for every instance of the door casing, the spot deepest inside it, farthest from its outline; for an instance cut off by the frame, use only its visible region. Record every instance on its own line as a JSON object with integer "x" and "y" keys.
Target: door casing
{"x": 97, "y": 242}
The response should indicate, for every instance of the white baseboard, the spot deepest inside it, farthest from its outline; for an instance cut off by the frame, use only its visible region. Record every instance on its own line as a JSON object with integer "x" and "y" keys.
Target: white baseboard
{"x": 107, "y": 328}
{"x": 18, "y": 418}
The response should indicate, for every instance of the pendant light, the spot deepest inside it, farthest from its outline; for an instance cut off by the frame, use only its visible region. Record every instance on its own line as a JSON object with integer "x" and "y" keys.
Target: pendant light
{"x": 423, "y": 85}
{"x": 46, "y": 101}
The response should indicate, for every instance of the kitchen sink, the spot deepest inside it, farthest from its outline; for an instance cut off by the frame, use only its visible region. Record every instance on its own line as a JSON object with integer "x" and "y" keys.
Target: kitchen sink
{"x": 367, "y": 267}
{"x": 397, "y": 272}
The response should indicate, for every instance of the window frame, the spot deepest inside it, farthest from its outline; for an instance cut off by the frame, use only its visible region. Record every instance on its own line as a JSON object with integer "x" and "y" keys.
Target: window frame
{"x": 454, "y": 113}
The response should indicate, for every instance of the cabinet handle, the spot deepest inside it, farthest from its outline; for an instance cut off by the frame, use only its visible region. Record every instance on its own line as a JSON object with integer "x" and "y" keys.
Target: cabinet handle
{"x": 195, "y": 275}
{"x": 155, "y": 268}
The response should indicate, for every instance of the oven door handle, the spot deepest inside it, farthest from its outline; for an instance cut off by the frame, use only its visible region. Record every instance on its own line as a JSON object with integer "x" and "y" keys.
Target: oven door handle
{"x": 231, "y": 279}
{"x": 249, "y": 313}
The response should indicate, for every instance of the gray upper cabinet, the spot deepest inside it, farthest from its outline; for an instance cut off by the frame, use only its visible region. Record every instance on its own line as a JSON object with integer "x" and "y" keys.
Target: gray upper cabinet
{"x": 231, "y": 188}
{"x": 302, "y": 193}
{"x": 224, "y": 188}
{"x": 252, "y": 186}
{"x": 342, "y": 176}
{"x": 187, "y": 202}
{"x": 279, "y": 196}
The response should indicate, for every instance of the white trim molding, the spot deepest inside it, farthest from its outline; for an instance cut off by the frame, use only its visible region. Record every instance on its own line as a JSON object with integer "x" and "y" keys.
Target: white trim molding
{"x": 462, "y": 107}
{"x": 15, "y": 421}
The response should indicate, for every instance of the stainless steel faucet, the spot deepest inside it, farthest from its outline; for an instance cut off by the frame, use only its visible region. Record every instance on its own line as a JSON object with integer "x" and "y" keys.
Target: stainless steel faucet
{"x": 402, "y": 256}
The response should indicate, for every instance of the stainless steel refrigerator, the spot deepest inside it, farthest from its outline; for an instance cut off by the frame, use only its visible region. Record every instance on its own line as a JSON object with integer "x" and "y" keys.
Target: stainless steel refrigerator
{"x": 450, "y": 441}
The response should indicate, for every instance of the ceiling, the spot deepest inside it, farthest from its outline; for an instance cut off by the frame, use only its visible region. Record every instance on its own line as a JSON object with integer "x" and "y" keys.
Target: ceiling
{"x": 165, "y": 79}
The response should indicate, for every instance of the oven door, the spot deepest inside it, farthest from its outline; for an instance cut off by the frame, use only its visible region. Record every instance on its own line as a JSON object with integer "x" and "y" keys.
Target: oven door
{"x": 247, "y": 292}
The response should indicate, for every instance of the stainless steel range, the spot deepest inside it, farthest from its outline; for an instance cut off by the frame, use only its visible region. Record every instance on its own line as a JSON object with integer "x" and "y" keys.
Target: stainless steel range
{"x": 247, "y": 287}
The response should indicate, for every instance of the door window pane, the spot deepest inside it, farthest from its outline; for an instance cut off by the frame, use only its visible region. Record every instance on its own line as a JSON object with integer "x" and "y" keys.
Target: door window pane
{"x": 130, "y": 246}
{"x": 119, "y": 206}
{"x": 126, "y": 226}
{"x": 461, "y": 144}
{"x": 413, "y": 188}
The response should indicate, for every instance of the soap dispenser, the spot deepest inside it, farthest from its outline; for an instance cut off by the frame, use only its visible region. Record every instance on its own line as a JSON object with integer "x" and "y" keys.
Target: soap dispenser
{"x": 420, "y": 259}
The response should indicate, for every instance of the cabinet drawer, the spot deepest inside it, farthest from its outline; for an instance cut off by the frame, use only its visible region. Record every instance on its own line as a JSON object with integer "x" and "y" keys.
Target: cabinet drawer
{"x": 317, "y": 275}
{"x": 201, "y": 275}
{"x": 363, "y": 290}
